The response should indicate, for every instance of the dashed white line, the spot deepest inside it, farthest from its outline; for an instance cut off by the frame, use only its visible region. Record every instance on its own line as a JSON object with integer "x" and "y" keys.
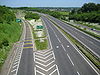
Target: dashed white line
{"x": 63, "y": 48}
{"x": 70, "y": 59}
{"x": 78, "y": 73}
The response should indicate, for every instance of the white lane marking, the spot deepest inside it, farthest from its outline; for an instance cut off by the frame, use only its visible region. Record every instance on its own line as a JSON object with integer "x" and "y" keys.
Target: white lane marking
{"x": 15, "y": 52}
{"x": 15, "y": 66}
{"x": 44, "y": 54}
{"x": 57, "y": 70}
{"x": 53, "y": 72}
{"x": 79, "y": 52}
{"x": 53, "y": 55}
{"x": 43, "y": 57}
{"x": 35, "y": 70}
{"x": 45, "y": 69}
{"x": 40, "y": 72}
{"x": 43, "y": 64}
{"x": 70, "y": 59}
{"x": 63, "y": 48}
{"x": 78, "y": 73}
{"x": 14, "y": 70}
{"x": 58, "y": 39}
{"x": 15, "y": 63}
{"x": 91, "y": 42}
{"x": 43, "y": 60}
{"x": 34, "y": 56}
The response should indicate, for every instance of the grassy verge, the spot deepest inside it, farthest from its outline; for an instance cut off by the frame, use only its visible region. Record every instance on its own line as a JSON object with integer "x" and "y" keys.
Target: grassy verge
{"x": 10, "y": 33}
{"x": 95, "y": 60}
{"x": 41, "y": 45}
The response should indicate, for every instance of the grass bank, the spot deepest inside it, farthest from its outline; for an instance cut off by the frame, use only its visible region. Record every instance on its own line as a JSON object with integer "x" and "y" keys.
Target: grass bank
{"x": 9, "y": 34}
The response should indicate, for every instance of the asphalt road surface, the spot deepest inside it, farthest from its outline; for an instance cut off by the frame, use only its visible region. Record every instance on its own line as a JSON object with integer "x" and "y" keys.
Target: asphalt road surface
{"x": 90, "y": 42}
{"x": 68, "y": 59}
{"x": 63, "y": 58}
{"x": 23, "y": 62}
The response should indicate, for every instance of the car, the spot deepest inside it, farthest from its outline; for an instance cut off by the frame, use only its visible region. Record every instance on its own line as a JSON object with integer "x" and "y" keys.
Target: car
{"x": 92, "y": 29}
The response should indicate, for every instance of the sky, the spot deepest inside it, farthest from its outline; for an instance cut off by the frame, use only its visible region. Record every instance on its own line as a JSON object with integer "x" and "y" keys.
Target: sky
{"x": 46, "y": 3}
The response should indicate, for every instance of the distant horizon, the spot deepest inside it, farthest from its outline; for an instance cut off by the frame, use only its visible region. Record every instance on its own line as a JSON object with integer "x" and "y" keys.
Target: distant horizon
{"x": 46, "y": 3}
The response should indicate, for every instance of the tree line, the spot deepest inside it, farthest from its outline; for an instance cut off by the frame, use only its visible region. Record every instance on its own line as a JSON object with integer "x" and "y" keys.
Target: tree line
{"x": 6, "y": 15}
{"x": 30, "y": 15}
{"x": 89, "y": 12}
{"x": 9, "y": 29}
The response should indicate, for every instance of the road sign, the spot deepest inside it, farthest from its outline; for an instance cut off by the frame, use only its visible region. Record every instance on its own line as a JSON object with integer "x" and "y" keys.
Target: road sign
{"x": 39, "y": 27}
{"x": 18, "y": 20}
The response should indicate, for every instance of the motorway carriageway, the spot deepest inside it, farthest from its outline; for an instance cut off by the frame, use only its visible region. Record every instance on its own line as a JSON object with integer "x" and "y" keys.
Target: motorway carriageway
{"x": 68, "y": 58}
{"x": 91, "y": 43}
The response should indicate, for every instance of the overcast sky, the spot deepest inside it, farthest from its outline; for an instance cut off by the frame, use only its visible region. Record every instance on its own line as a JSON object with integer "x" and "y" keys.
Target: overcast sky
{"x": 46, "y": 3}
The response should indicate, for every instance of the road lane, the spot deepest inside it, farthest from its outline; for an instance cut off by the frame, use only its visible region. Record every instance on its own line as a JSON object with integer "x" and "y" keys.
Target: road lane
{"x": 94, "y": 47}
{"x": 66, "y": 59}
{"x": 26, "y": 66}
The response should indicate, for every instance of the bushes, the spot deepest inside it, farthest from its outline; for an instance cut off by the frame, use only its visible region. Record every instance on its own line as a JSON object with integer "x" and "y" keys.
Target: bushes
{"x": 6, "y": 15}
{"x": 30, "y": 15}
{"x": 9, "y": 32}
{"x": 87, "y": 17}
{"x": 88, "y": 13}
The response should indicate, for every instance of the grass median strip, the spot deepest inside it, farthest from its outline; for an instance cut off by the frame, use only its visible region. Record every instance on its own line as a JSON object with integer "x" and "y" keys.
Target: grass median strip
{"x": 95, "y": 60}
{"x": 41, "y": 45}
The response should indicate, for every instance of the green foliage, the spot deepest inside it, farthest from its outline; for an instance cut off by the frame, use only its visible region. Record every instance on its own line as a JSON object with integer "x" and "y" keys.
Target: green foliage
{"x": 87, "y": 17}
{"x": 89, "y": 13}
{"x": 6, "y": 15}
{"x": 30, "y": 15}
{"x": 88, "y": 7}
{"x": 41, "y": 45}
{"x": 9, "y": 32}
